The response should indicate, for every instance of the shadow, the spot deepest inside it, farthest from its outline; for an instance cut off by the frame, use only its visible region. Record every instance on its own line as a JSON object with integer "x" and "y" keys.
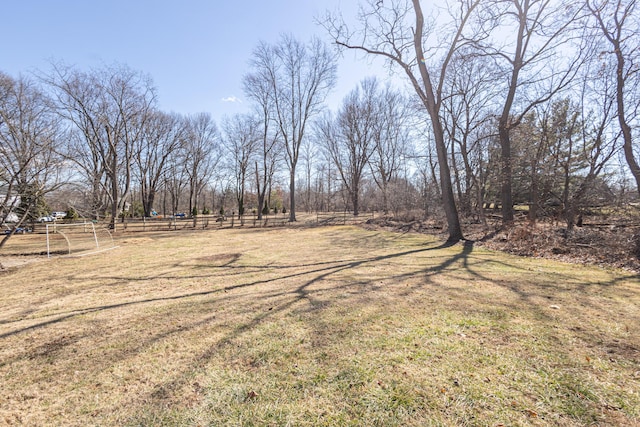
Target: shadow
{"x": 305, "y": 293}
{"x": 325, "y": 270}
{"x": 322, "y": 270}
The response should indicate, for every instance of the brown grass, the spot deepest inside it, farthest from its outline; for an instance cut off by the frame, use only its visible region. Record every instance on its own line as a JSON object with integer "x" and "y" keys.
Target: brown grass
{"x": 326, "y": 326}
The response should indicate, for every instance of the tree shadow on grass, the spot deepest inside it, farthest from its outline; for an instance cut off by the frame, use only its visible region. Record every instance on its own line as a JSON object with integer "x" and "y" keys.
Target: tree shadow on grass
{"x": 463, "y": 261}
{"x": 324, "y": 269}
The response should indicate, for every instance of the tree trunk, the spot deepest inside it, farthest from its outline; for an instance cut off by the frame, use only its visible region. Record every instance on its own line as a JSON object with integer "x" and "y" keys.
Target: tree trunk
{"x": 534, "y": 200}
{"x": 385, "y": 197}
{"x": 505, "y": 173}
{"x": 573, "y": 206}
{"x": 97, "y": 204}
{"x": 429, "y": 100}
{"x": 292, "y": 195}
{"x": 355, "y": 200}
{"x": 115, "y": 196}
{"x": 479, "y": 204}
{"x": 627, "y": 146}
{"x": 448, "y": 200}
{"x": 21, "y": 221}
{"x": 148, "y": 200}
{"x": 456, "y": 177}
{"x": 260, "y": 189}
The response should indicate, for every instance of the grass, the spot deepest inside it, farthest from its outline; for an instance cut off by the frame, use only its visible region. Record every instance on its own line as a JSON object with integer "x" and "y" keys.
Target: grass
{"x": 316, "y": 327}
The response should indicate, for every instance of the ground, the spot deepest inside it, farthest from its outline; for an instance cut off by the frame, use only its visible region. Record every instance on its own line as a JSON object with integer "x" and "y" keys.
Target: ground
{"x": 609, "y": 242}
{"x": 16, "y": 261}
{"x": 314, "y": 327}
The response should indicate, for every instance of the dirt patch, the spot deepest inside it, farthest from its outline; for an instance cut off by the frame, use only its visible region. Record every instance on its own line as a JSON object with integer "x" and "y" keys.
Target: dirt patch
{"x": 136, "y": 241}
{"x": 10, "y": 262}
{"x": 221, "y": 259}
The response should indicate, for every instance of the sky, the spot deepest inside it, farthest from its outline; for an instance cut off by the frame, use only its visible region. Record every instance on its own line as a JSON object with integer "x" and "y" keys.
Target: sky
{"x": 196, "y": 51}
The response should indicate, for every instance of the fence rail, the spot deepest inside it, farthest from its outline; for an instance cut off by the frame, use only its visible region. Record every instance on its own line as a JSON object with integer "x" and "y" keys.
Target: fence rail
{"x": 247, "y": 221}
{"x": 342, "y": 218}
{"x": 201, "y": 222}
{"x": 216, "y": 221}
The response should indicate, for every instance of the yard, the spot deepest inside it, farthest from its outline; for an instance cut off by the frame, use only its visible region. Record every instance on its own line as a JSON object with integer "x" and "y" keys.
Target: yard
{"x": 316, "y": 326}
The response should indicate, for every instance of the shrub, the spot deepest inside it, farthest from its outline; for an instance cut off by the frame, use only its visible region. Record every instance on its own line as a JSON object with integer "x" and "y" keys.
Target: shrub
{"x": 71, "y": 214}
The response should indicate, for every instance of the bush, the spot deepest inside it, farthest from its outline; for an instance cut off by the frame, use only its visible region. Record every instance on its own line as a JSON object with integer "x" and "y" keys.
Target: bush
{"x": 136, "y": 209}
{"x": 206, "y": 211}
{"x": 71, "y": 214}
{"x": 194, "y": 211}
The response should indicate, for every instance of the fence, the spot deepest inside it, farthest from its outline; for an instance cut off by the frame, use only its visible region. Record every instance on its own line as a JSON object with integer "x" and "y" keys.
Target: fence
{"x": 200, "y": 222}
{"x": 34, "y": 242}
{"x": 342, "y": 218}
{"x": 248, "y": 221}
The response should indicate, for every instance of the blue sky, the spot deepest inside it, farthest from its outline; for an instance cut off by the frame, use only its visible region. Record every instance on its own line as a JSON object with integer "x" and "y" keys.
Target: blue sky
{"x": 196, "y": 51}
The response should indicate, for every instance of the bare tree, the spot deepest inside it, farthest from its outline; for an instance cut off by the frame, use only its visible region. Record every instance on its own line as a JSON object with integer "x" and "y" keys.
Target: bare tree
{"x": 310, "y": 153}
{"x": 163, "y": 134}
{"x": 175, "y": 180}
{"x": 582, "y": 143}
{"x": 350, "y": 138}
{"x": 468, "y": 112}
{"x": 76, "y": 99}
{"x": 397, "y": 31}
{"x": 391, "y": 138}
{"x": 257, "y": 86}
{"x": 201, "y": 154}
{"x": 108, "y": 109}
{"x": 617, "y": 22}
{"x": 300, "y": 77}
{"x": 241, "y": 140}
{"x": 30, "y": 166}
{"x": 535, "y": 70}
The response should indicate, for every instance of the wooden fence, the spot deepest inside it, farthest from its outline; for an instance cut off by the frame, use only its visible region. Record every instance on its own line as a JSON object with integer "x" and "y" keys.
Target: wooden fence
{"x": 199, "y": 222}
{"x": 342, "y": 218}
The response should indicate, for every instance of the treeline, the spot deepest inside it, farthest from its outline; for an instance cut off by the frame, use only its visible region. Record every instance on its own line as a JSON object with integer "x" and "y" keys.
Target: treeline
{"x": 510, "y": 102}
{"x": 487, "y": 71}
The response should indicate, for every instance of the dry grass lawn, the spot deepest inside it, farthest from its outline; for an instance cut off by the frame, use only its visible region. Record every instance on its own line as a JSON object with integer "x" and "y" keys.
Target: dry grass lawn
{"x": 316, "y": 327}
